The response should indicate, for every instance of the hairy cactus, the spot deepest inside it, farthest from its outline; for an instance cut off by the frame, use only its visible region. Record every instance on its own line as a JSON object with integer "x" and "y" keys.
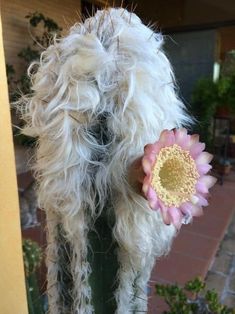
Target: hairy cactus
{"x": 32, "y": 255}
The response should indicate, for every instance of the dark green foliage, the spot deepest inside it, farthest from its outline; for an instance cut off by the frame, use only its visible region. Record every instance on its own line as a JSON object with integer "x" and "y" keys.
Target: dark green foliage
{"x": 190, "y": 300}
{"x": 226, "y": 91}
{"x": 49, "y": 24}
{"x": 195, "y": 286}
{"x": 32, "y": 52}
{"x": 206, "y": 98}
{"x": 42, "y": 31}
{"x": 204, "y": 104}
{"x": 28, "y": 54}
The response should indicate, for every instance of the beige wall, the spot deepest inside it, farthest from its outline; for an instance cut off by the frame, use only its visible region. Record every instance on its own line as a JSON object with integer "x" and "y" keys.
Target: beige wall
{"x": 15, "y": 33}
{"x": 12, "y": 285}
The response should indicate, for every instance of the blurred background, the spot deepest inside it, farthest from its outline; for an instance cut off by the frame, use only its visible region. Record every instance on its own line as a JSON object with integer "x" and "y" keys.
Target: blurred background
{"x": 200, "y": 43}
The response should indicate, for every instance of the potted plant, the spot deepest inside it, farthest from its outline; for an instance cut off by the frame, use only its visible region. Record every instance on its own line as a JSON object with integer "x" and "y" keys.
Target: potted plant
{"x": 210, "y": 99}
{"x": 191, "y": 299}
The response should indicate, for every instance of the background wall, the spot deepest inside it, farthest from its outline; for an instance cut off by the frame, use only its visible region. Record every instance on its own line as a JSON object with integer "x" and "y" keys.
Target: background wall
{"x": 192, "y": 55}
{"x": 227, "y": 40}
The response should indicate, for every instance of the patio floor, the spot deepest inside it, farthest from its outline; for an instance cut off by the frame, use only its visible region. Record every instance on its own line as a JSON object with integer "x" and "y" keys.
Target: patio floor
{"x": 194, "y": 250}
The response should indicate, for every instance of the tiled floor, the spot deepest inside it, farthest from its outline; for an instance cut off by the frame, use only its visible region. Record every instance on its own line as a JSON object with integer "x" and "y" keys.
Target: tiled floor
{"x": 221, "y": 275}
{"x": 195, "y": 247}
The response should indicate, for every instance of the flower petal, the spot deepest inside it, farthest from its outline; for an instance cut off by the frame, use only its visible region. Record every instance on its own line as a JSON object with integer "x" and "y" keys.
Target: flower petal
{"x": 151, "y": 194}
{"x": 186, "y": 207}
{"x": 152, "y": 148}
{"x": 197, "y": 149}
{"x": 154, "y": 204}
{"x": 147, "y": 165}
{"x": 203, "y": 169}
{"x": 201, "y": 187}
{"x": 202, "y": 201}
{"x": 176, "y": 217}
{"x": 181, "y": 137}
{"x": 209, "y": 181}
{"x": 189, "y": 208}
{"x": 152, "y": 158}
{"x": 167, "y": 138}
{"x": 179, "y": 133}
{"x": 194, "y": 199}
{"x": 204, "y": 158}
{"x": 194, "y": 139}
{"x": 205, "y": 183}
{"x": 165, "y": 215}
{"x": 170, "y": 139}
{"x": 146, "y": 184}
{"x": 191, "y": 141}
{"x": 163, "y": 135}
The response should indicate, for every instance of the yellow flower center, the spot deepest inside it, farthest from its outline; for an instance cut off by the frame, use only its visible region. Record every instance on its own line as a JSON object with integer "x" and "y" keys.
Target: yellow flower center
{"x": 174, "y": 175}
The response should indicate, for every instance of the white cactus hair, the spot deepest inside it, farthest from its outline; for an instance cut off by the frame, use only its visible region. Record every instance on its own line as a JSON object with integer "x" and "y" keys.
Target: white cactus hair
{"x": 108, "y": 76}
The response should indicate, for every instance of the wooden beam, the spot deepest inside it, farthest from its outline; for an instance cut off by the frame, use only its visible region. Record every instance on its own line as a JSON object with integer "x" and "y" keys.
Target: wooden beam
{"x": 12, "y": 281}
{"x": 197, "y": 27}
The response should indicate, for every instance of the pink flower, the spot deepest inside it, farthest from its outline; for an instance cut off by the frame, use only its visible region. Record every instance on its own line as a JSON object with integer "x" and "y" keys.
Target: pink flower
{"x": 176, "y": 180}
